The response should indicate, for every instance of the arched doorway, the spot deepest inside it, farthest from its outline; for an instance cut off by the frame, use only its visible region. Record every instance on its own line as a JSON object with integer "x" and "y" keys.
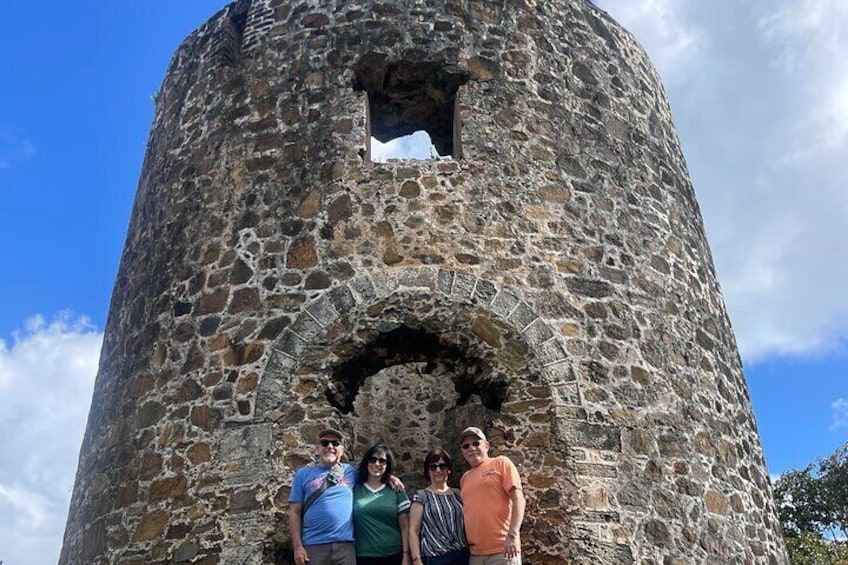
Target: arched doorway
{"x": 411, "y": 360}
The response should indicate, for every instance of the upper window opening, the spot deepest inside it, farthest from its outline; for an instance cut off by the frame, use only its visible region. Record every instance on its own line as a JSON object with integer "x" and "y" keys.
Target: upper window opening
{"x": 407, "y": 98}
{"x": 414, "y": 146}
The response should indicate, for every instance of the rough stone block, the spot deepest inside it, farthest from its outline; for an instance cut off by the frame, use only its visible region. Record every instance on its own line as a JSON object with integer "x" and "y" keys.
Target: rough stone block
{"x": 292, "y": 345}
{"x": 463, "y": 286}
{"x": 485, "y": 330}
{"x": 551, "y": 352}
{"x": 558, "y": 373}
{"x": 418, "y": 278}
{"x": 571, "y": 412}
{"x": 280, "y": 363}
{"x": 599, "y": 516}
{"x": 589, "y": 287}
{"x": 596, "y": 470}
{"x": 538, "y": 332}
{"x": 484, "y": 292}
{"x": 243, "y": 501}
{"x": 243, "y": 554}
{"x": 323, "y": 312}
{"x": 363, "y": 287}
{"x": 566, "y": 393}
{"x": 592, "y": 436}
{"x": 247, "y": 453}
{"x": 305, "y": 327}
{"x": 151, "y": 525}
{"x": 445, "y": 282}
{"x": 164, "y": 489}
{"x": 382, "y": 283}
{"x": 342, "y": 299}
{"x": 186, "y": 551}
{"x": 504, "y": 303}
{"x": 522, "y": 316}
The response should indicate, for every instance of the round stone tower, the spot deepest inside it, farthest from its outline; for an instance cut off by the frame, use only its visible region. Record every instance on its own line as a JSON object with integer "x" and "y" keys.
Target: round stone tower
{"x": 547, "y": 278}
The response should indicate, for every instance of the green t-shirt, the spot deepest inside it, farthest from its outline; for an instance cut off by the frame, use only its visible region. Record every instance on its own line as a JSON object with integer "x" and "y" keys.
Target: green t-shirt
{"x": 376, "y": 529}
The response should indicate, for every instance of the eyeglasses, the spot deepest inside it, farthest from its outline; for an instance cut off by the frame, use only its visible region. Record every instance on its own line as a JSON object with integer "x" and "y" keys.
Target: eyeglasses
{"x": 378, "y": 460}
{"x": 438, "y": 466}
{"x": 468, "y": 445}
{"x": 329, "y": 442}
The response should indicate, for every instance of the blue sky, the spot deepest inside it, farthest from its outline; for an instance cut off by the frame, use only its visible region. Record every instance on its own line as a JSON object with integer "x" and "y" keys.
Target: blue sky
{"x": 760, "y": 96}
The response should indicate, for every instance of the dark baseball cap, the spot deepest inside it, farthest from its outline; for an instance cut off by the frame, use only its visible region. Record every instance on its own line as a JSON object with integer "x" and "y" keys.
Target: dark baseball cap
{"x": 331, "y": 432}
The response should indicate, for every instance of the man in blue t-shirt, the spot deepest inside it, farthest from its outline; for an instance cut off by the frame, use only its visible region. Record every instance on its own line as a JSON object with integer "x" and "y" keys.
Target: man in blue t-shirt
{"x": 322, "y": 529}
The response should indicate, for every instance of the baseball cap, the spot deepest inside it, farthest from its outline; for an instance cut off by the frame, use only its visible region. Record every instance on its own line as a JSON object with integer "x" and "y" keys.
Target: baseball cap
{"x": 331, "y": 432}
{"x": 472, "y": 431}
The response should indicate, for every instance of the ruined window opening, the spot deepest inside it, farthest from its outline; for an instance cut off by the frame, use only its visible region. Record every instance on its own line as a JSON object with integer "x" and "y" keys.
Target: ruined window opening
{"x": 416, "y": 145}
{"x": 409, "y": 389}
{"x": 407, "y": 345}
{"x": 405, "y": 98}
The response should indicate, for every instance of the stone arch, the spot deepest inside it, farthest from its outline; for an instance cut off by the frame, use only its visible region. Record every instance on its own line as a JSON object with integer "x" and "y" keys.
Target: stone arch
{"x": 533, "y": 410}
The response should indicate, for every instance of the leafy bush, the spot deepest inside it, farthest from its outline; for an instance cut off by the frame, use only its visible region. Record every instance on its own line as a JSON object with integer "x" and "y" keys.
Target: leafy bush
{"x": 813, "y": 509}
{"x": 812, "y": 549}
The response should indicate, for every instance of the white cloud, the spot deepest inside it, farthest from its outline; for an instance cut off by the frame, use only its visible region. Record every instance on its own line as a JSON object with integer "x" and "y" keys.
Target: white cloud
{"x": 760, "y": 94}
{"x": 662, "y": 28}
{"x": 15, "y": 147}
{"x": 808, "y": 43}
{"x": 414, "y": 146}
{"x": 30, "y": 509}
{"x": 840, "y": 414}
{"x": 46, "y": 380}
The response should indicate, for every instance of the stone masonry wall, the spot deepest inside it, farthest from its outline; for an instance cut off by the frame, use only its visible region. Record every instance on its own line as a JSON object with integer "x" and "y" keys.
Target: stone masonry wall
{"x": 553, "y": 285}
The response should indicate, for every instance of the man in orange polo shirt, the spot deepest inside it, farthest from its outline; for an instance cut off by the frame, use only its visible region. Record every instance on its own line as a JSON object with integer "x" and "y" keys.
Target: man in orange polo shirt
{"x": 493, "y": 503}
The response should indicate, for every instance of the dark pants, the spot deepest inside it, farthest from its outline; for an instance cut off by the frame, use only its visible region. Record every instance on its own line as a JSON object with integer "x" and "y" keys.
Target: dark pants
{"x": 459, "y": 557}
{"x": 395, "y": 559}
{"x": 339, "y": 553}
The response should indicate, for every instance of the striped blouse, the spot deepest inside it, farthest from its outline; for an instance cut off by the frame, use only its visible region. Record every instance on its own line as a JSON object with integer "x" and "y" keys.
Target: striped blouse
{"x": 442, "y": 526}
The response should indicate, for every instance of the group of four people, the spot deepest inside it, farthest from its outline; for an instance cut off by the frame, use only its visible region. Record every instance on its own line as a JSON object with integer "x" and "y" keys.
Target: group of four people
{"x": 477, "y": 525}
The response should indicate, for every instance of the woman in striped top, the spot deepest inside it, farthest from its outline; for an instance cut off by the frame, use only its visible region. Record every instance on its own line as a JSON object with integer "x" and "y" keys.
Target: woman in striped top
{"x": 436, "y": 527}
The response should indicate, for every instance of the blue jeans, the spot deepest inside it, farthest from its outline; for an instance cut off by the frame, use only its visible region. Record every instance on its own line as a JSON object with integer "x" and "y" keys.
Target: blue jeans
{"x": 459, "y": 557}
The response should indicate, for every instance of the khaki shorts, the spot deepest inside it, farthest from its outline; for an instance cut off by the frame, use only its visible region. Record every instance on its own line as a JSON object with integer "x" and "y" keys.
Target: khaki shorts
{"x": 339, "y": 553}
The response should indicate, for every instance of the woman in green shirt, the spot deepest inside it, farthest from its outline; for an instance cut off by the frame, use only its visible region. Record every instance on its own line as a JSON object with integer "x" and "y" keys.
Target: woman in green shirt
{"x": 380, "y": 515}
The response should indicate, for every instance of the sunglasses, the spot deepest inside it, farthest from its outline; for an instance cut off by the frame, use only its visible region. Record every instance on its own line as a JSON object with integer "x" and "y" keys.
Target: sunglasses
{"x": 329, "y": 442}
{"x": 438, "y": 466}
{"x": 468, "y": 445}
{"x": 377, "y": 460}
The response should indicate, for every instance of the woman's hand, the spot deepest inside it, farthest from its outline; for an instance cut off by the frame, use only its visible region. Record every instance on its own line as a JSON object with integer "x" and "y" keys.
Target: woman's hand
{"x": 405, "y": 560}
{"x": 395, "y": 483}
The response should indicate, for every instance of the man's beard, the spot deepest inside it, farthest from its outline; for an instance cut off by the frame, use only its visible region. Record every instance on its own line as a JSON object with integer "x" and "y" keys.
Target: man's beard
{"x": 328, "y": 458}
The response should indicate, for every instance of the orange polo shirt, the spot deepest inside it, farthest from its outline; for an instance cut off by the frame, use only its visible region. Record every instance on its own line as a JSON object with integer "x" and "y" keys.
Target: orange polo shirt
{"x": 486, "y": 506}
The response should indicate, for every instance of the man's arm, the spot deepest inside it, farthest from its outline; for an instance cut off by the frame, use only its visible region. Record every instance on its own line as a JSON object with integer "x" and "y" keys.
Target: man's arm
{"x": 512, "y": 545}
{"x": 295, "y": 517}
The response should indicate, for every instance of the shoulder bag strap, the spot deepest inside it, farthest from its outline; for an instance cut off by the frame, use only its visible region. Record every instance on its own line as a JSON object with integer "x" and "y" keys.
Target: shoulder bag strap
{"x": 324, "y": 486}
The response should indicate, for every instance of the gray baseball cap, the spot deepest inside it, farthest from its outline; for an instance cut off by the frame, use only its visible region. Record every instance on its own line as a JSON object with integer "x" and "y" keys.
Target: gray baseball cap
{"x": 472, "y": 431}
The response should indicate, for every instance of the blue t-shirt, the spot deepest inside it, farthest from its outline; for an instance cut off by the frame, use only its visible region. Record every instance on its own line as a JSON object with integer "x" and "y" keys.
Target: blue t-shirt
{"x": 329, "y": 519}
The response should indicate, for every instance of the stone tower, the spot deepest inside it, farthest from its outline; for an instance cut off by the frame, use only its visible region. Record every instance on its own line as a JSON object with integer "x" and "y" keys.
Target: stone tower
{"x": 551, "y": 282}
